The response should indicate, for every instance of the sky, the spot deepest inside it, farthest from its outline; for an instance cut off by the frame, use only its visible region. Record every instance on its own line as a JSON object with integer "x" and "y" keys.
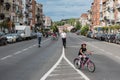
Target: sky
{"x": 65, "y": 9}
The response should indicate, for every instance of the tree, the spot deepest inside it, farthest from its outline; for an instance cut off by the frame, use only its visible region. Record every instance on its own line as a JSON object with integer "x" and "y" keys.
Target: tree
{"x": 54, "y": 28}
{"x": 71, "y": 21}
{"x": 78, "y": 25}
{"x": 84, "y": 30}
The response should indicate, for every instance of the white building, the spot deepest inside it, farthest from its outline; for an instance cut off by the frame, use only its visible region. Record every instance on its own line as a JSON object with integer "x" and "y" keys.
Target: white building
{"x": 47, "y": 22}
{"x": 84, "y": 19}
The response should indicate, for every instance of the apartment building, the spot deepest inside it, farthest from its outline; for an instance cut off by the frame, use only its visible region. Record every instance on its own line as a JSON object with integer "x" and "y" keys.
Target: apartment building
{"x": 27, "y": 12}
{"x": 11, "y": 10}
{"x": 95, "y": 9}
{"x": 117, "y": 11}
{"x": 108, "y": 12}
{"x": 47, "y": 22}
{"x": 84, "y": 19}
{"x": 39, "y": 15}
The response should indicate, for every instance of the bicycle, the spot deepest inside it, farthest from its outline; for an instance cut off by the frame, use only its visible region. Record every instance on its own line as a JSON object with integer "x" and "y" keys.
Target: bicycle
{"x": 81, "y": 64}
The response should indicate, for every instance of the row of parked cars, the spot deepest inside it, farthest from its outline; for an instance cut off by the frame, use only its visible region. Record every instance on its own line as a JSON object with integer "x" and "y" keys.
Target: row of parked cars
{"x": 113, "y": 38}
{"x": 13, "y": 37}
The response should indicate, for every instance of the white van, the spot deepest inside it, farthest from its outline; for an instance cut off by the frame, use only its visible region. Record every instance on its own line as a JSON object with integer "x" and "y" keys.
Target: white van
{"x": 24, "y": 31}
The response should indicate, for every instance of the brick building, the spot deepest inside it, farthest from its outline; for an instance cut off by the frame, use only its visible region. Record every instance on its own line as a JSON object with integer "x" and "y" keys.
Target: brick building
{"x": 95, "y": 16}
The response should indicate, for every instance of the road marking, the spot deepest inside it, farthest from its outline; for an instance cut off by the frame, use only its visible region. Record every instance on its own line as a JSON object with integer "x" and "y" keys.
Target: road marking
{"x": 19, "y": 52}
{"x": 117, "y": 57}
{"x": 109, "y": 53}
{"x": 6, "y": 57}
{"x": 58, "y": 62}
{"x": 52, "y": 69}
{"x": 62, "y": 74}
{"x": 79, "y": 72}
{"x": 24, "y": 49}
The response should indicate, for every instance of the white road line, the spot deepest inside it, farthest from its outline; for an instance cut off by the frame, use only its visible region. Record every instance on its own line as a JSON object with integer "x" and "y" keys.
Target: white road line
{"x": 6, "y": 57}
{"x": 79, "y": 72}
{"x": 18, "y": 52}
{"x": 24, "y": 49}
{"x": 48, "y": 73}
{"x": 30, "y": 47}
{"x": 63, "y": 74}
{"x": 117, "y": 57}
{"x": 58, "y": 62}
{"x": 109, "y": 53}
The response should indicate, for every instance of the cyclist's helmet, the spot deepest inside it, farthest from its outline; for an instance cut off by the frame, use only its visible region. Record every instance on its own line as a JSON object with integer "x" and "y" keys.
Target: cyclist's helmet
{"x": 83, "y": 44}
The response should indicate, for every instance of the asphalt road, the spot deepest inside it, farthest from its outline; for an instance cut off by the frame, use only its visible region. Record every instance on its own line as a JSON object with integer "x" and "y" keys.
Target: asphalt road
{"x": 106, "y": 57}
{"x": 25, "y": 61}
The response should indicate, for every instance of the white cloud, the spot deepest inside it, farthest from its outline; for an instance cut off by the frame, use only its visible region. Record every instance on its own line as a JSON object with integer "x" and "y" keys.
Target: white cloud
{"x": 58, "y": 9}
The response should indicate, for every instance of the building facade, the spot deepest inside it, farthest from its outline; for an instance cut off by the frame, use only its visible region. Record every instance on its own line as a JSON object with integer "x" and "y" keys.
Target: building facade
{"x": 47, "y": 22}
{"x": 84, "y": 19}
{"x": 105, "y": 12}
{"x": 39, "y": 15}
{"x": 95, "y": 9}
{"x": 11, "y": 12}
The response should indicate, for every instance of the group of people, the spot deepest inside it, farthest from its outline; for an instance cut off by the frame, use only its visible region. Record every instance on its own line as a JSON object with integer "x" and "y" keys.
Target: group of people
{"x": 81, "y": 52}
{"x": 54, "y": 35}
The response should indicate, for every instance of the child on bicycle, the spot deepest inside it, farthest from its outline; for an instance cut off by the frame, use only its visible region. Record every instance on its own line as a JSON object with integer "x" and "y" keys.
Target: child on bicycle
{"x": 82, "y": 52}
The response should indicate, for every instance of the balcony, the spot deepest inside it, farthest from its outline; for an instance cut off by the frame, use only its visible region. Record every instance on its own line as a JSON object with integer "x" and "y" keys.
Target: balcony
{"x": 30, "y": 2}
{"x": 2, "y": 16}
{"x": 118, "y": 5}
{"x": 17, "y": 3}
{"x": 1, "y": 1}
{"x": 118, "y": 18}
{"x": 30, "y": 15}
{"x": 30, "y": 9}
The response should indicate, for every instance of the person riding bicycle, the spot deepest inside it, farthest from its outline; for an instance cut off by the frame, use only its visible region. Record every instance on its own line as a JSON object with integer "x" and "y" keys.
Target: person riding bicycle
{"x": 54, "y": 36}
{"x": 82, "y": 52}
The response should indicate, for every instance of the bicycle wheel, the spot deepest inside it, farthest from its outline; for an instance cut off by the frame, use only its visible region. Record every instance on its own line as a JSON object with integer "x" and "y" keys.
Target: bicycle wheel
{"x": 91, "y": 66}
{"x": 77, "y": 63}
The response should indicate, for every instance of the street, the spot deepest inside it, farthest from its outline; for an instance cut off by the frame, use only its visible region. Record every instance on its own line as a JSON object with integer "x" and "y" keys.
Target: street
{"x": 25, "y": 61}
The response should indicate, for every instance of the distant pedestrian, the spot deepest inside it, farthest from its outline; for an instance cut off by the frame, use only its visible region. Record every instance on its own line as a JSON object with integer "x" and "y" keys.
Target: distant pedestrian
{"x": 39, "y": 36}
{"x": 63, "y": 35}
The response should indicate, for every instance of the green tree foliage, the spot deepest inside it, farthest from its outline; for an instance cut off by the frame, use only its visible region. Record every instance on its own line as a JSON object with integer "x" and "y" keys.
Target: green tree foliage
{"x": 59, "y": 23}
{"x": 71, "y": 21}
{"x": 54, "y": 28}
{"x": 78, "y": 25}
{"x": 84, "y": 30}
{"x": 104, "y": 29}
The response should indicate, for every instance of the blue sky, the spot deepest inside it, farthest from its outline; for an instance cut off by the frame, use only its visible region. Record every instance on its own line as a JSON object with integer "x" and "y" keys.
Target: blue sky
{"x": 63, "y": 9}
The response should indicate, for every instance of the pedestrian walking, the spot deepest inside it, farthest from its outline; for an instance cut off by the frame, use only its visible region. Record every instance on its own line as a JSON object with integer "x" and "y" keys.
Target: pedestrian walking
{"x": 63, "y": 35}
{"x": 39, "y": 36}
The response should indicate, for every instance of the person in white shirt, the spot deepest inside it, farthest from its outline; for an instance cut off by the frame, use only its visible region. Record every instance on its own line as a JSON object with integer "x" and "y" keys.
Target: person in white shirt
{"x": 39, "y": 36}
{"x": 63, "y": 36}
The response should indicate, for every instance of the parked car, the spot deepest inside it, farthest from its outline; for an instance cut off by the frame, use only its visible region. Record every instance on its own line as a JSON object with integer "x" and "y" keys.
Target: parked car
{"x": 3, "y": 39}
{"x": 117, "y": 38}
{"x": 10, "y": 38}
{"x": 89, "y": 34}
{"x": 110, "y": 38}
{"x": 18, "y": 37}
{"x": 95, "y": 35}
{"x": 101, "y": 36}
{"x": 77, "y": 32}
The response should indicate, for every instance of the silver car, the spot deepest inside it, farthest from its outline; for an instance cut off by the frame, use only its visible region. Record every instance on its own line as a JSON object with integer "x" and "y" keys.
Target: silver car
{"x": 11, "y": 38}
